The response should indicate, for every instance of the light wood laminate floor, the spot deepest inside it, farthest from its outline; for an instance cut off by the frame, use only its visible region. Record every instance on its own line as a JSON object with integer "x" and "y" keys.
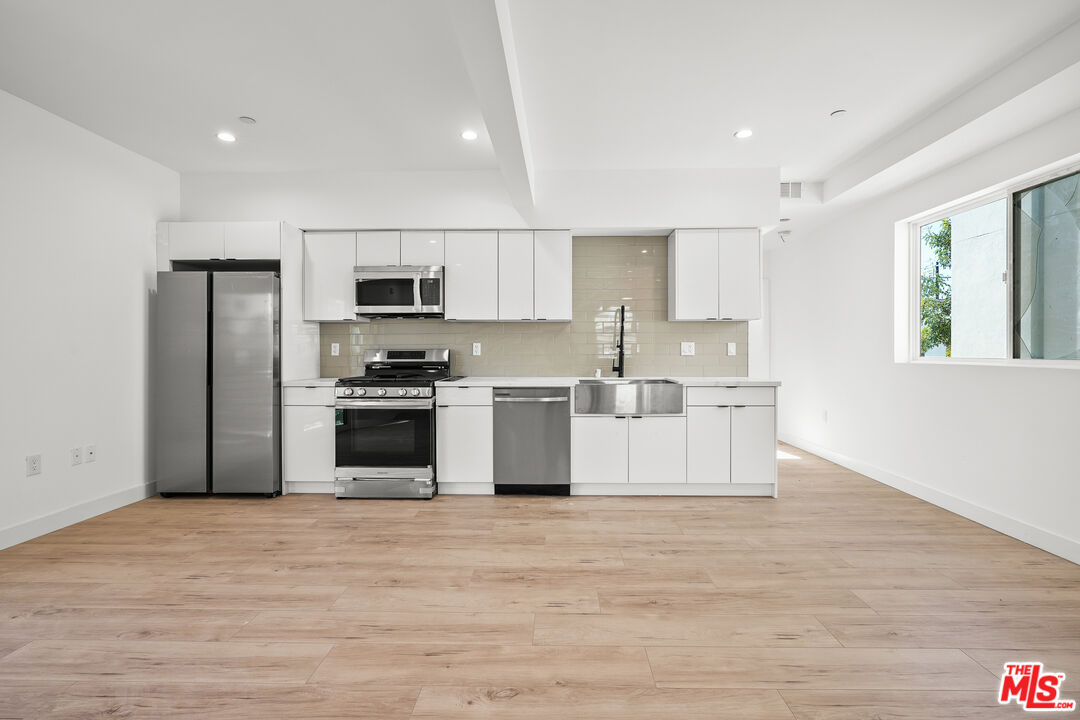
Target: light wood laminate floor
{"x": 842, "y": 599}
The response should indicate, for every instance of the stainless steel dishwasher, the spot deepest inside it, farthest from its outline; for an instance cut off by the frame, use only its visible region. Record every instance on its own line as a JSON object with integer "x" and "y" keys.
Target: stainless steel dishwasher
{"x": 532, "y": 440}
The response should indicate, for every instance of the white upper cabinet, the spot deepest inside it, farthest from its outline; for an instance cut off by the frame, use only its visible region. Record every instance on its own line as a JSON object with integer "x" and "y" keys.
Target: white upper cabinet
{"x": 714, "y": 274}
{"x": 693, "y": 287}
{"x": 378, "y": 247}
{"x": 552, "y": 273}
{"x": 472, "y": 275}
{"x": 196, "y": 240}
{"x": 223, "y": 240}
{"x": 253, "y": 240}
{"x": 740, "y": 274}
{"x": 516, "y": 275}
{"x": 328, "y": 276}
{"x": 422, "y": 247}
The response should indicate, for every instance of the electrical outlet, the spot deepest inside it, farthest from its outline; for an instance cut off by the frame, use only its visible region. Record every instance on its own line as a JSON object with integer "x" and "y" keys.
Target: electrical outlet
{"x": 686, "y": 348}
{"x": 731, "y": 349}
{"x": 76, "y": 456}
{"x": 33, "y": 465}
{"x": 90, "y": 453}
{"x": 476, "y": 348}
{"x": 335, "y": 349}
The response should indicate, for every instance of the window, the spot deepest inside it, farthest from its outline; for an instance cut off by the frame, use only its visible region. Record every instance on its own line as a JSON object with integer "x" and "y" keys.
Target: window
{"x": 997, "y": 278}
{"x": 1046, "y": 265}
{"x": 963, "y": 298}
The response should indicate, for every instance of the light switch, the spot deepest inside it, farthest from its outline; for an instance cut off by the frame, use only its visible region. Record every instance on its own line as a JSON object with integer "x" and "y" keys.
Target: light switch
{"x": 731, "y": 349}
{"x": 476, "y": 348}
{"x": 687, "y": 348}
{"x": 335, "y": 349}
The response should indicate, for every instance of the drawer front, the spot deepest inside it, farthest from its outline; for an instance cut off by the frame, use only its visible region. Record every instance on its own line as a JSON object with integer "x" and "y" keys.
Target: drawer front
{"x": 307, "y": 396}
{"x": 730, "y": 396}
{"x": 462, "y": 395}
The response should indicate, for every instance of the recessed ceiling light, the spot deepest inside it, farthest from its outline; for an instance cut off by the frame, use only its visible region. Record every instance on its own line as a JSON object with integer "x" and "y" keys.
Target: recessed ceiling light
{"x": 469, "y": 135}
{"x": 744, "y": 133}
{"x": 838, "y": 113}
{"x": 785, "y": 219}
{"x": 246, "y": 119}
{"x": 225, "y": 136}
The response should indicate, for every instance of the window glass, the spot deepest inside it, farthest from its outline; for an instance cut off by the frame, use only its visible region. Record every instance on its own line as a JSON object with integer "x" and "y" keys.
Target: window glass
{"x": 1046, "y": 266}
{"x": 963, "y": 286}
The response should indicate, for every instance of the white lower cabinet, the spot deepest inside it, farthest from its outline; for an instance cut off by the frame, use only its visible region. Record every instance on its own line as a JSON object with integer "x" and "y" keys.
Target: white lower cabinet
{"x": 708, "y": 444}
{"x": 464, "y": 449}
{"x": 753, "y": 444}
{"x": 657, "y": 449}
{"x": 599, "y": 449}
{"x": 309, "y": 446}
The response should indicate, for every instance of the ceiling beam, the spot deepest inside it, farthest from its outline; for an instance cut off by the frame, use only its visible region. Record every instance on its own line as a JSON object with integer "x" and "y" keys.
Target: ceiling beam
{"x": 486, "y": 40}
{"x": 1058, "y": 54}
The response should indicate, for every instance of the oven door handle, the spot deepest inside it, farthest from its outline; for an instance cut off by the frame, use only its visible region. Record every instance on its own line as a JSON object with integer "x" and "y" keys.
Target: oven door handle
{"x": 402, "y": 404}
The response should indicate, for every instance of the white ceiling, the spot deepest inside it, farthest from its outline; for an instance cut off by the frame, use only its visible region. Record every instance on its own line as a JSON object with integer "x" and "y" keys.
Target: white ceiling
{"x": 604, "y": 84}
{"x": 333, "y": 84}
{"x": 616, "y": 84}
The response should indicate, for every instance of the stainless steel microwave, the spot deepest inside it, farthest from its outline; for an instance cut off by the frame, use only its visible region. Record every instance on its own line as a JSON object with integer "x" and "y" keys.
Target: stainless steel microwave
{"x": 399, "y": 290}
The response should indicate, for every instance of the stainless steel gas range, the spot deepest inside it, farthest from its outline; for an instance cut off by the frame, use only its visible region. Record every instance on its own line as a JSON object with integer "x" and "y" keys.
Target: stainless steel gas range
{"x": 385, "y": 439}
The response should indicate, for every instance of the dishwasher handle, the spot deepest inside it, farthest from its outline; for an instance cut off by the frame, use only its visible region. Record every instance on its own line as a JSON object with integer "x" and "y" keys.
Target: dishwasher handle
{"x": 532, "y": 399}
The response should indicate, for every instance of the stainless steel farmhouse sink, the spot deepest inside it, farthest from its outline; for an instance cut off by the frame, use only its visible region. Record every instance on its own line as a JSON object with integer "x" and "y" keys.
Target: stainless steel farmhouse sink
{"x": 628, "y": 396}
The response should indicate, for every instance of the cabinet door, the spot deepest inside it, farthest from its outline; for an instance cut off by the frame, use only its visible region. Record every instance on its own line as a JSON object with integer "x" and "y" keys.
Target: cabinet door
{"x": 464, "y": 445}
{"x": 708, "y": 444}
{"x": 253, "y": 240}
{"x": 196, "y": 241}
{"x": 740, "y": 274}
{"x": 308, "y": 444}
{"x": 515, "y": 275}
{"x": 552, "y": 275}
{"x": 328, "y": 276}
{"x": 657, "y": 450}
{"x": 472, "y": 275}
{"x": 599, "y": 449}
{"x": 378, "y": 247}
{"x": 422, "y": 247}
{"x": 693, "y": 259}
{"x": 753, "y": 444}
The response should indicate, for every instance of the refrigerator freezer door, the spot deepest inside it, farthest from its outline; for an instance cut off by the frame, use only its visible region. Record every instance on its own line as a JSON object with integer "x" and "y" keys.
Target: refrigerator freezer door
{"x": 180, "y": 384}
{"x": 246, "y": 414}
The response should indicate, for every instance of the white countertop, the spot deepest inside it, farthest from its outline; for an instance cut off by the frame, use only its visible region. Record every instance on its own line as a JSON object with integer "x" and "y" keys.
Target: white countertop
{"x": 568, "y": 381}
{"x": 311, "y": 382}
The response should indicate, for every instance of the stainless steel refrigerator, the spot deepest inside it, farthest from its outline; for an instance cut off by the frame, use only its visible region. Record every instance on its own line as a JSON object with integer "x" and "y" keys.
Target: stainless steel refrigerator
{"x": 217, "y": 385}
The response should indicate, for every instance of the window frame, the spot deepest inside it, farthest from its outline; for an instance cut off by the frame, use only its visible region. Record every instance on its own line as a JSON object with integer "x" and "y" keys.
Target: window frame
{"x": 908, "y": 258}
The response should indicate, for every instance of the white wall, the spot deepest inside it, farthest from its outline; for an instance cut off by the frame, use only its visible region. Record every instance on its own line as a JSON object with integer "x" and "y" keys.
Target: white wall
{"x": 993, "y": 443}
{"x": 77, "y": 262}
{"x": 615, "y": 200}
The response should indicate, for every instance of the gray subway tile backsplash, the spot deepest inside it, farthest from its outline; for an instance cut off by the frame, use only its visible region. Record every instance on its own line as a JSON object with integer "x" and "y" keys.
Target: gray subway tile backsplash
{"x": 608, "y": 272}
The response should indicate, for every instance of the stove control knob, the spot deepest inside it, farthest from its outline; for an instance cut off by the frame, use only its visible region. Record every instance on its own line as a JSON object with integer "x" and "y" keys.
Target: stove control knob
{"x": 416, "y": 391}
{"x": 361, "y": 391}
{"x": 382, "y": 391}
{"x": 348, "y": 391}
{"x": 402, "y": 391}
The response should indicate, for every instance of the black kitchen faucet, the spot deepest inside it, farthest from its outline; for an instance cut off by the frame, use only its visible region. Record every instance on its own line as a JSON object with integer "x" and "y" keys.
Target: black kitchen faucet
{"x": 619, "y": 365}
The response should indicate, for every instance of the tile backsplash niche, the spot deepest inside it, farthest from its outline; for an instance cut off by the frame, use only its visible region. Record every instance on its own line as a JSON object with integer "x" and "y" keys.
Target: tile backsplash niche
{"x": 608, "y": 272}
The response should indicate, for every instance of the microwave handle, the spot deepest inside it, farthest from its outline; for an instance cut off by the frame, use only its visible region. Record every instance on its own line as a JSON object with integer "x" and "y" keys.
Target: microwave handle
{"x": 417, "y": 302}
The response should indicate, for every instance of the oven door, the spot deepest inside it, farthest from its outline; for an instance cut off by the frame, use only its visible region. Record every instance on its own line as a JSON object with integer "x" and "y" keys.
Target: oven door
{"x": 384, "y": 437}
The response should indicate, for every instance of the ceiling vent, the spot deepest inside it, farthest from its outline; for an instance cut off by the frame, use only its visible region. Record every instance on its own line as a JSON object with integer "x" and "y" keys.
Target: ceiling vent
{"x": 791, "y": 190}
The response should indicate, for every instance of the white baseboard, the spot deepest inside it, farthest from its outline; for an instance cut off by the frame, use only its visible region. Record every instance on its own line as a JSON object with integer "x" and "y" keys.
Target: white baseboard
{"x": 466, "y": 488}
{"x": 1032, "y": 535}
{"x": 675, "y": 489}
{"x": 309, "y": 486}
{"x": 69, "y": 516}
